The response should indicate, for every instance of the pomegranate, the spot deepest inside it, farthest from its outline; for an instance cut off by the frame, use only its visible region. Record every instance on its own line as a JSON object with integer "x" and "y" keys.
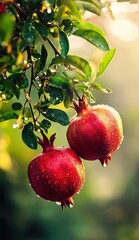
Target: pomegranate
{"x": 57, "y": 173}
{"x": 95, "y": 132}
{"x": 2, "y": 7}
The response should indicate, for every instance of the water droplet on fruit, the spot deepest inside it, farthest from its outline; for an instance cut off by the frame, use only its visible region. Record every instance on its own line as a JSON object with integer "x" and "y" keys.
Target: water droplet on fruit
{"x": 58, "y": 203}
{"x": 55, "y": 182}
{"x": 67, "y": 174}
{"x": 64, "y": 182}
{"x": 78, "y": 192}
{"x": 38, "y": 196}
{"x": 29, "y": 184}
{"x": 70, "y": 205}
{"x": 38, "y": 177}
{"x": 49, "y": 182}
{"x": 105, "y": 165}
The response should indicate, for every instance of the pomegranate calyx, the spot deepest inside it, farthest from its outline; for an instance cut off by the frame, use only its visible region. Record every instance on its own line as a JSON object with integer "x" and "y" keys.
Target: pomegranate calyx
{"x": 67, "y": 202}
{"x": 47, "y": 144}
{"x": 105, "y": 160}
{"x": 81, "y": 106}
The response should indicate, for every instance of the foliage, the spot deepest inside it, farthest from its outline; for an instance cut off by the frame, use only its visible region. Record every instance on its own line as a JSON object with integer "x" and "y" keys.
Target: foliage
{"x": 35, "y": 61}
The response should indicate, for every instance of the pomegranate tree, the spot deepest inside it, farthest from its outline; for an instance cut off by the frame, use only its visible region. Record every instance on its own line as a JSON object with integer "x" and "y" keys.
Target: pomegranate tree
{"x": 95, "y": 132}
{"x": 57, "y": 173}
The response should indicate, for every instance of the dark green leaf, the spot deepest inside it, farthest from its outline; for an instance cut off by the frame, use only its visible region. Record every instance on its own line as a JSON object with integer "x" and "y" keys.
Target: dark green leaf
{"x": 45, "y": 124}
{"x": 57, "y": 115}
{"x": 67, "y": 25}
{"x": 80, "y": 63}
{"x": 41, "y": 61}
{"x": 7, "y": 116}
{"x": 16, "y": 106}
{"x": 105, "y": 61}
{"x": 47, "y": 16}
{"x": 55, "y": 95}
{"x": 64, "y": 43}
{"x": 42, "y": 29}
{"x": 94, "y": 38}
{"x": 64, "y": 84}
{"x": 19, "y": 79}
{"x": 29, "y": 137}
{"x": 43, "y": 57}
{"x": 29, "y": 32}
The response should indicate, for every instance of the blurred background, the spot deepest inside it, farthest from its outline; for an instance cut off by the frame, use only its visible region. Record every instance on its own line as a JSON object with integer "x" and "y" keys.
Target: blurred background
{"x": 107, "y": 207}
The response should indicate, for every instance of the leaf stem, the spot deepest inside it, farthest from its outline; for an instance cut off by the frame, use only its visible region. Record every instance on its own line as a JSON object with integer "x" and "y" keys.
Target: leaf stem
{"x": 20, "y": 10}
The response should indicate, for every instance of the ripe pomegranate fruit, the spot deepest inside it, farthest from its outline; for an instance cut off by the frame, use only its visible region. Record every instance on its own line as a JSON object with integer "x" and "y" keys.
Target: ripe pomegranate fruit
{"x": 2, "y": 7}
{"x": 95, "y": 132}
{"x": 57, "y": 173}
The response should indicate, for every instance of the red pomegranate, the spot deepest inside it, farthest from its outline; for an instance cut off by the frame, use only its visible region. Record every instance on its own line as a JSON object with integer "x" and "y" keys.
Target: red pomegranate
{"x": 2, "y": 7}
{"x": 57, "y": 173}
{"x": 95, "y": 132}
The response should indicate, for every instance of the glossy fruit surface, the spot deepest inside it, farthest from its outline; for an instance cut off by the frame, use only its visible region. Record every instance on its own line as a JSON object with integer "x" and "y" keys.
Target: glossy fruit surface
{"x": 57, "y": 173}
{"x": 95, "y": 132}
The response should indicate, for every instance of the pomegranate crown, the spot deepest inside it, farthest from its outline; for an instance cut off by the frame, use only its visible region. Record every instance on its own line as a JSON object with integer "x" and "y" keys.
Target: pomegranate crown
{"x": 46, "y": 143}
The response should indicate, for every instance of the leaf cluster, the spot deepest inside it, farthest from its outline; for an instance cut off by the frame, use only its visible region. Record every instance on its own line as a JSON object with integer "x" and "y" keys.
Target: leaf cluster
{"x": 35, "y": 58}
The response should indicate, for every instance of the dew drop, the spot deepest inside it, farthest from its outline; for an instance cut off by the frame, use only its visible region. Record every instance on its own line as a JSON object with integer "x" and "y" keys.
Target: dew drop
{"x": 38, "y": 196}
{"x": 70, "y": 205}
{"x": 29, "y": 184}
{"x": 55, "y": 182}
{"x": 49, "y": 182}
{"x": 67, "y": 174}
{"x": 58, "y": 203}
{"x": 105, "y": 165}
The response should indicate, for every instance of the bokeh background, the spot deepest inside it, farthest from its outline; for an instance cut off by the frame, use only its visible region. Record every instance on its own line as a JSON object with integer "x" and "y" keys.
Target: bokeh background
{"x": 107, "y": 207}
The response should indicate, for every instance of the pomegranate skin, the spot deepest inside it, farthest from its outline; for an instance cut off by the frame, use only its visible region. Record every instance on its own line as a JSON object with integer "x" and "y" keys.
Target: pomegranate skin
{"x": 95, "y": 132}
{"x": 57, "y": 174}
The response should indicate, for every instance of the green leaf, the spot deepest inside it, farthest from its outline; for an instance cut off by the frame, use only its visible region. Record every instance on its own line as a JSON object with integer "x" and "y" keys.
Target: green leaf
{"x": 43, "y": 57}
{"x": 55, "y": 95}
{"x": 89, "y": 26}
{"x": 79, "y": 63}
{"x": 73, "y": 8}
{"x": 6, "y": 27}
{"x": 57, "y": 115}
{"x": 98, "y": 87}
{"x": 64, "y": 43}
{"x": 60, "y": 13}
{"x": 64, "y": 84}
{"x": 16, "y": 106}
{"x": 29, "y": 32}
{"x": 28, "y": 136}
{"x": 57, "y": 60}
{"x": 88, "y": 6}
{"x": 93, "y": 37}
{"x": 7, "y": 116}
{"x": 105, "y": 61}
{"x": 42, "y": 29}
{"x": 27, "y": 113}
{"x": 45, "y": 124}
